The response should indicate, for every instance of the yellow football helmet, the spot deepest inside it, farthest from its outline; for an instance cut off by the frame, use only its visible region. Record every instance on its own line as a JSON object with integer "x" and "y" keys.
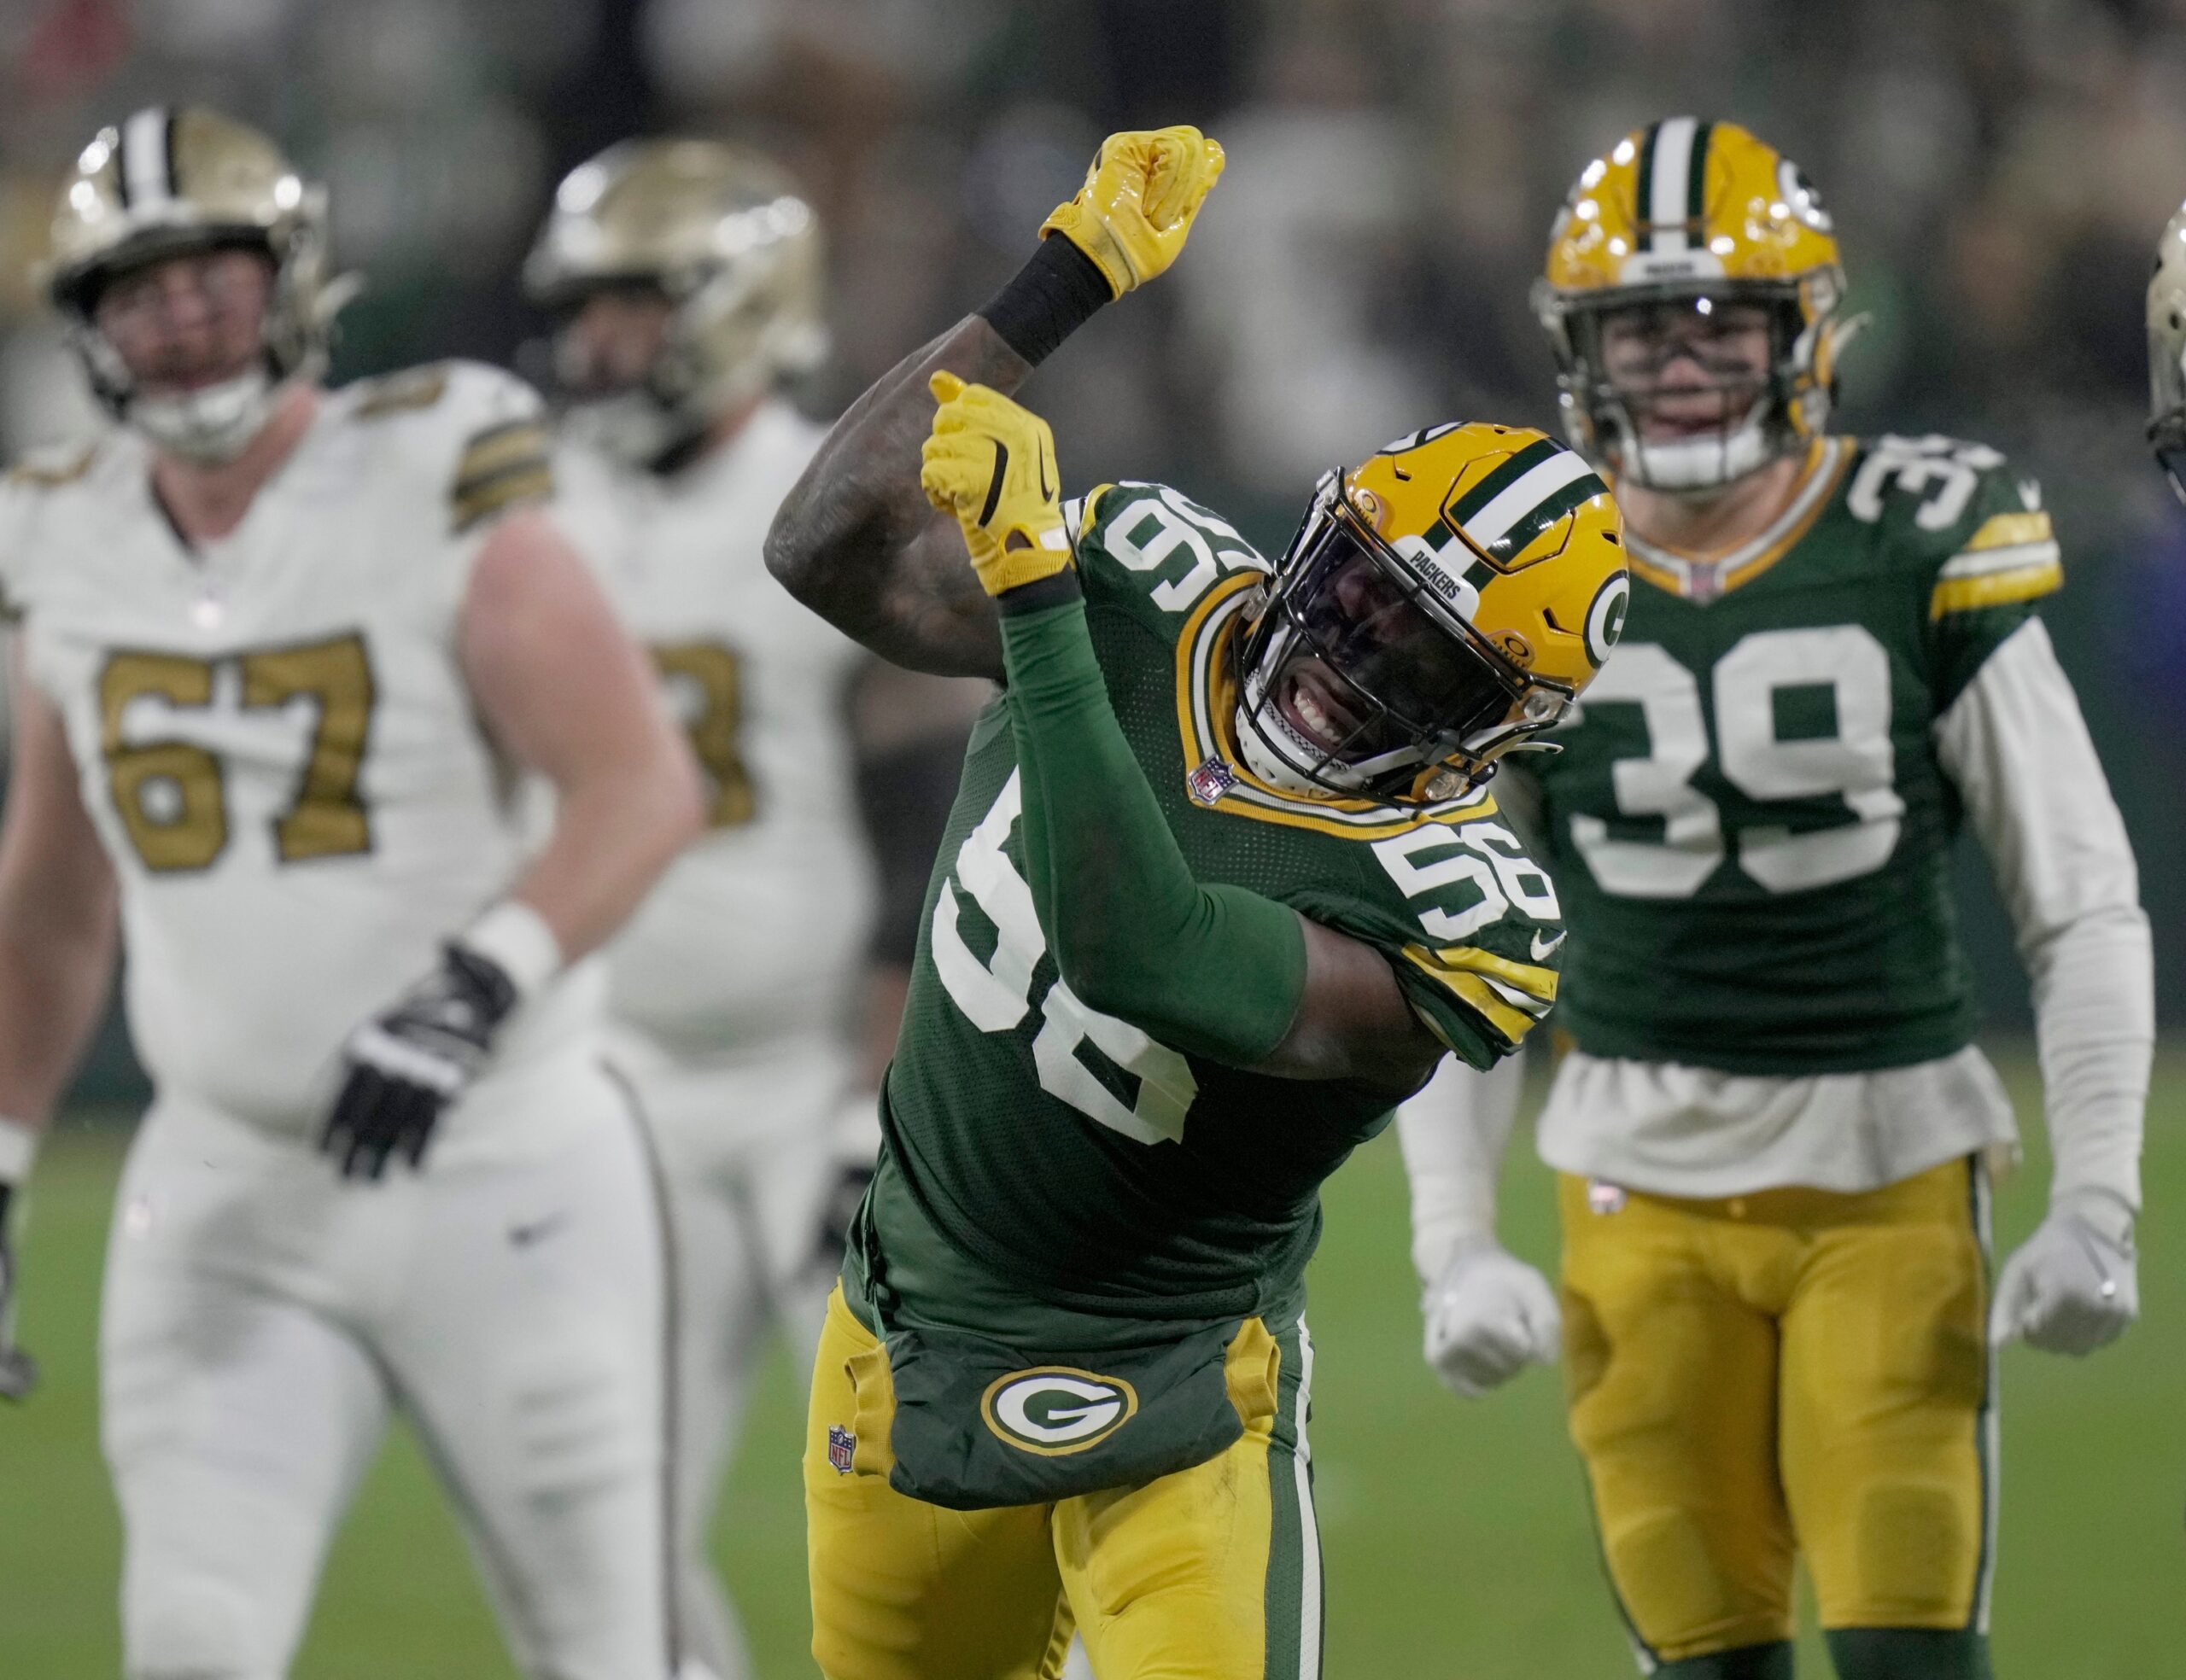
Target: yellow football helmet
{"x": 1691, "y": 214}
{"x": 171, "y": 180}
{"x": 723, "y": 233}
{"x": 1440, "y": 605}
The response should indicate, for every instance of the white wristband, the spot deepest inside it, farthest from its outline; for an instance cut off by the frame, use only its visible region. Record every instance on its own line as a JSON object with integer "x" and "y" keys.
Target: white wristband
{"x": 515, "y": 938}
{"x": 18, "y": 1149}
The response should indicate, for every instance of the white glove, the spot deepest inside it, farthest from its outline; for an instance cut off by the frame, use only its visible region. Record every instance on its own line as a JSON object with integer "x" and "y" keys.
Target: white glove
{"x": 2074, "y": 1286}
{"x": 1488, "y": 1315}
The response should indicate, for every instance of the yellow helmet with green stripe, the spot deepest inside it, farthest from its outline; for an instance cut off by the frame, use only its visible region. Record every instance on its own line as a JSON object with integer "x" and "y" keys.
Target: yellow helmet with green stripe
{"x": 1688, "y": 214}
{"x": 1440, "y": 604}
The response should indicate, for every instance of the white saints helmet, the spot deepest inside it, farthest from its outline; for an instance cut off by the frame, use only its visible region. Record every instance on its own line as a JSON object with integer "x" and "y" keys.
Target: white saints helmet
{"x": 171, "y": 180}
{"x": 723, "y": 234}
{"x": 2166, "y": 304}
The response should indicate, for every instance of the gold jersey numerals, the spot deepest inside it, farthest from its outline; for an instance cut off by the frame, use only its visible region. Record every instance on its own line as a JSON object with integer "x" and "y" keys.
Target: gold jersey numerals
{"x": 172, "y": 794}
{"x": 704, "y": 692}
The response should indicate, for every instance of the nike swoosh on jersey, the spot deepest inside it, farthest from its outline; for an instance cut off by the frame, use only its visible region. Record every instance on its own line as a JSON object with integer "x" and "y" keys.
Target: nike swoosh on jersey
{"x": 1542, "y": 949}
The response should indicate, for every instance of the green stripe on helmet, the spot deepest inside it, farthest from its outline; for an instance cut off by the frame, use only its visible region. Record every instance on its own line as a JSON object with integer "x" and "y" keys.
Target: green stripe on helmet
{"x": 1644, "y": 193}
{"x": 1501, "y": 480}
{"x": 1696, "y": 174}
{"x": 1521, "y": 536}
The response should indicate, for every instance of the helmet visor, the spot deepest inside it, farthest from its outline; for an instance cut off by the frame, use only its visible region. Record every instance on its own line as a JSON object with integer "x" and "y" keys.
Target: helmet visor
{"x": 1372, "y": 665}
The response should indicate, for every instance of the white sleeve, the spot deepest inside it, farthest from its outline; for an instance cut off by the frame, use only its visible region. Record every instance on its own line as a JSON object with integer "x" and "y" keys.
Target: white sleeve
{"x": 1453, "y": 1134}
{"x": 2014, "y": 743}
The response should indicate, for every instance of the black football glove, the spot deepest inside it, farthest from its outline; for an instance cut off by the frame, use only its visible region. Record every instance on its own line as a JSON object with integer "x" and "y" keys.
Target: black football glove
{"x": 18, "y": 1370}
{"x": 408, "y": 1064}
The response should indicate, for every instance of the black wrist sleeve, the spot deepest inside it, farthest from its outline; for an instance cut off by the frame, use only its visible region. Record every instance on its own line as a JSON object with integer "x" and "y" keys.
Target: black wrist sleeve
{"x": 1054, "y": 294}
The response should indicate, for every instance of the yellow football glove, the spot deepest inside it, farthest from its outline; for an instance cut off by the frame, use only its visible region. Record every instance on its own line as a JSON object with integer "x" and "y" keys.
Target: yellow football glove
{"x": 1138, "y": 201}
{"x": 992, "y": 464}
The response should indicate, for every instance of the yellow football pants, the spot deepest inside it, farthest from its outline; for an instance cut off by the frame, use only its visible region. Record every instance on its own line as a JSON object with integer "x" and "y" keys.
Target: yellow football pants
{"x": 1212, "y": 1573}
{"x": 1796, "y": 1372}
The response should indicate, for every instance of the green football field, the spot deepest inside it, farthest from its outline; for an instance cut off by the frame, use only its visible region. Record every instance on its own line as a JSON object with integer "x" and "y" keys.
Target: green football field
{"x": 1455, "y": 1535}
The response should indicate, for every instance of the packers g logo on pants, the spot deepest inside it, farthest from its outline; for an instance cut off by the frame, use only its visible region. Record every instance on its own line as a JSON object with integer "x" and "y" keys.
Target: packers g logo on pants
{"x": 1057, "y": 1409}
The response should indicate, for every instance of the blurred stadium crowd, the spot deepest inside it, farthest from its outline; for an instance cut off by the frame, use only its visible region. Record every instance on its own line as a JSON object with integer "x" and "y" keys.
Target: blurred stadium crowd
{"x": 1997, "y": 169}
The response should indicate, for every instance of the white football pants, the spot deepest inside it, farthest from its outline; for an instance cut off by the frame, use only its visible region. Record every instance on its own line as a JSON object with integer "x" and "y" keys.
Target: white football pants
{"x": 263, "y": 1315}
{"x": 745, "y": 1145}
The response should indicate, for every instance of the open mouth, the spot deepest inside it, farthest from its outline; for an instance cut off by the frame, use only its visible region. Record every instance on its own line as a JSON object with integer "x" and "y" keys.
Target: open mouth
{"x": 1308, "y": 703}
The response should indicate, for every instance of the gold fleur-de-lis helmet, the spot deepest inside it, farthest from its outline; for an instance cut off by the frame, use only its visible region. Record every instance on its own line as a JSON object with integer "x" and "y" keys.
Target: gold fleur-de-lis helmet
{"x": 1687, "y": 214}
{"x": 171, "y": 180}
{"x": 725, "y": 235}
{"x": 1440, "y": 606}
{"x": 2166, "y": 311}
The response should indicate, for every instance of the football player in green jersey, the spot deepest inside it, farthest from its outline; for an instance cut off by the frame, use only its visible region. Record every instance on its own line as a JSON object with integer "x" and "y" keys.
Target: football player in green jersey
{"x": 1773, "y": 1125}
{"x": 1222, "y": 884}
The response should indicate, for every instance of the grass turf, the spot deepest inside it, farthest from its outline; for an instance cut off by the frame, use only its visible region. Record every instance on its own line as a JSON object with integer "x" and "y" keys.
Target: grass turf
{"x": 1455, "y": 1535}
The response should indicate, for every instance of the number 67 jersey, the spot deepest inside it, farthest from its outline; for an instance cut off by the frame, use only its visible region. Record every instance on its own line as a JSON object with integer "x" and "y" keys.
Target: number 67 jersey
{"x": 274, "y": 741}
{"x": 1750, "y": 818}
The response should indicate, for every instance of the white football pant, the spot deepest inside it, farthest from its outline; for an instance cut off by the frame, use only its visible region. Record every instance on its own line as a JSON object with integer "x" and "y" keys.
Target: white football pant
{"x": 263, "y": 1315}
{"x": 745, "y": 1146}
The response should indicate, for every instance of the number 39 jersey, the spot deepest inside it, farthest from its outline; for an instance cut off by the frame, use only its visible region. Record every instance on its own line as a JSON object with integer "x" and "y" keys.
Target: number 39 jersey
{"x": 274, "y": 741}
{"x": 756, "y": 931}
{"x": 1749, "y": 820}
{"x": 1063, "y": 1151}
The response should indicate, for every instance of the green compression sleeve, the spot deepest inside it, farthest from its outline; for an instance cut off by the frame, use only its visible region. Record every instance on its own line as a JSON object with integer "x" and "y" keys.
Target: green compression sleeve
{"x": 1215, "y": 971}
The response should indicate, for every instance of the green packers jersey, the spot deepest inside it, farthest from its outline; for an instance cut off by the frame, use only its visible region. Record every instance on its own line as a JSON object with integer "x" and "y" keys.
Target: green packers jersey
{"x": 1063, "y": 1153}
{"x": 1748, "y": 820}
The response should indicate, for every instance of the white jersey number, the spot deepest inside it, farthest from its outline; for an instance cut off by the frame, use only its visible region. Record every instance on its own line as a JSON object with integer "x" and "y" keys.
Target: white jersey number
{"x": 1942, "y": 471}
{"x": 1485, "y": 859}
{"x": 996, "y": 994}
{"x": 172, "y": 794}
{"x": 1149, "y": 533}
{"x": 1856, "y": 763}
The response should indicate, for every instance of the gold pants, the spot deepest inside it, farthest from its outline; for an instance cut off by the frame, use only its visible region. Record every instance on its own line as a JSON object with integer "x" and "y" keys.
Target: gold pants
{"x": 1793, "y": 1372}
{"x": 1211, "y": 1573}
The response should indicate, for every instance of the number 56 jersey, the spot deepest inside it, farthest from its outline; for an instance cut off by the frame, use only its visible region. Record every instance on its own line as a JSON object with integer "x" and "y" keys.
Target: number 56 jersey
{"x": 1065, "y": 1153}
{"x": 1749, "y": 819}
{"x": 274, "y": 740}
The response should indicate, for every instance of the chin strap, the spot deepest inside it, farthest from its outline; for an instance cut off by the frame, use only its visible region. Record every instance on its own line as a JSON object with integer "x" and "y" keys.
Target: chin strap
{"x": 210, "y": 427}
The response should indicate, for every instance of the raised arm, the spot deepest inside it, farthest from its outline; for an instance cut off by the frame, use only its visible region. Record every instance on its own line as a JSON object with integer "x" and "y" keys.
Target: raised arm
{"x": 1215, "y": 970}
{"x": 855, "y": 539}
{"x": 856, "y": 542}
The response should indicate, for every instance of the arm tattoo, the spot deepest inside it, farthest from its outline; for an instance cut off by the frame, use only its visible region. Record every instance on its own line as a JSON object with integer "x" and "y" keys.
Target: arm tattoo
{"x": 857, "y": 542}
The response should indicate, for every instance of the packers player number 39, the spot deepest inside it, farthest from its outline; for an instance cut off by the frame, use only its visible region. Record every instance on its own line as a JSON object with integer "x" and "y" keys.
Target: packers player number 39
{"x": 1772, "y": 1124}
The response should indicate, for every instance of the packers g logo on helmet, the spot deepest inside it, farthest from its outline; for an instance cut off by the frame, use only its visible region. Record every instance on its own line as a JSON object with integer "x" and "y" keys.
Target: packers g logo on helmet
{"x": 1440, "y": 605}
{"x": 1054, "y": 1410}
{"x": 1696, "y": 214}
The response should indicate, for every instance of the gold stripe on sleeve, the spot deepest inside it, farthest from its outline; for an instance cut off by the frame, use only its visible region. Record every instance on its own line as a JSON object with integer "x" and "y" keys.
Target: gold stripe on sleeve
{"x": 1995, "y": 589}
{"x": 1477, "y": 994}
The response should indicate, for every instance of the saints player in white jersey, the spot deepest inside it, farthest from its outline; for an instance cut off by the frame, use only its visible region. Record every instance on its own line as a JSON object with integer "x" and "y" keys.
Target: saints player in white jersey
{"x": 684, "y": 276}
{"x": 1773, "y": 1129}
{"x": 282, "y": 655}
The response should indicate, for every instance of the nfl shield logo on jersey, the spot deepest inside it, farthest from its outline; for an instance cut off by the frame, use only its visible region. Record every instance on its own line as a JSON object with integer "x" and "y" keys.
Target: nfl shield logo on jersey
{"x": 1210, "y": 781}
{"x": 1604, "y": 1198}
{"x": 842, "y": 1447}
